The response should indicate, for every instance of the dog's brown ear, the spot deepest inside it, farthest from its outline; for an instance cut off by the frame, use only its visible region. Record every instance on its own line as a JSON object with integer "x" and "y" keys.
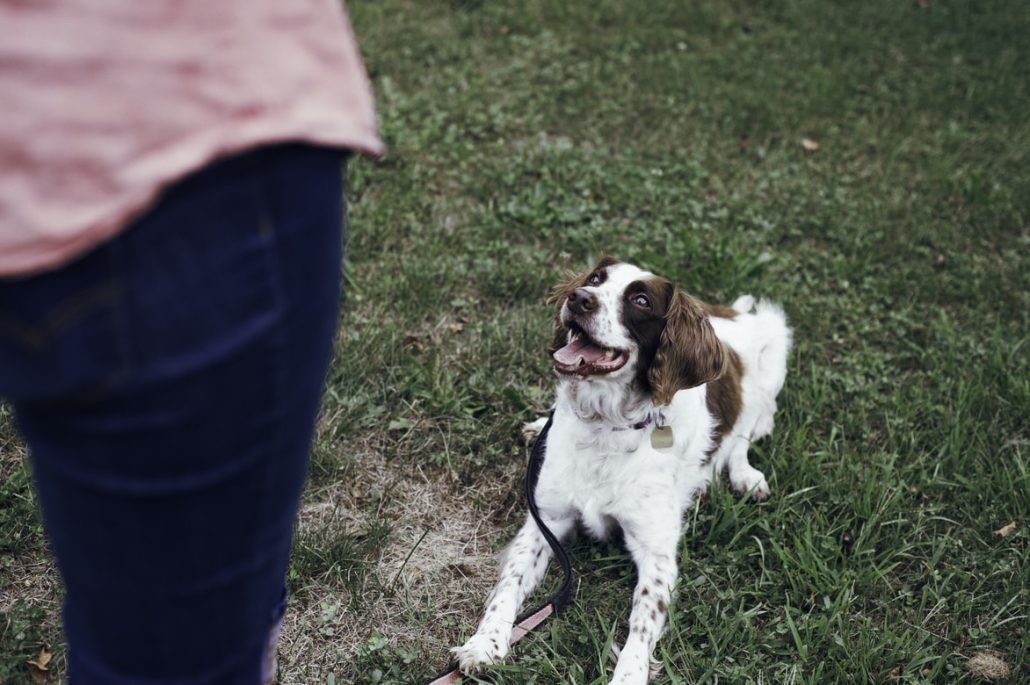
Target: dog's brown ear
{"x": 689, "y": 353}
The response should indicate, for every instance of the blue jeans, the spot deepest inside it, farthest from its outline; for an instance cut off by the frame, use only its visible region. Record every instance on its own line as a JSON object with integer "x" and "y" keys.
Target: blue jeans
{"x": 167, "y": 385}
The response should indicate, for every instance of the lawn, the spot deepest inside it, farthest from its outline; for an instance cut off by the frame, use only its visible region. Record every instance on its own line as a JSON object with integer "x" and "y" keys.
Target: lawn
{"x": 866, "y": 164}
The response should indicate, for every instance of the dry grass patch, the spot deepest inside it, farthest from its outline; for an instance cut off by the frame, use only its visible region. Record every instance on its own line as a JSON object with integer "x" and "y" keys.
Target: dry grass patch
{"x": 988, "y": 665}
{"x": 425, "y": 583}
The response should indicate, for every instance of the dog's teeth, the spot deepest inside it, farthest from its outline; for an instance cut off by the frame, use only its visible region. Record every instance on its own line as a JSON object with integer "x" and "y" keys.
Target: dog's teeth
{"x": 609, "y": 352}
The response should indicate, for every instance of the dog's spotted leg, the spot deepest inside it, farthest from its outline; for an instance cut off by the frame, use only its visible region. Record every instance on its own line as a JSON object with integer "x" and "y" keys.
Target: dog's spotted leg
{"x": 523, "y": 565}
{"x": 655, "y": 555}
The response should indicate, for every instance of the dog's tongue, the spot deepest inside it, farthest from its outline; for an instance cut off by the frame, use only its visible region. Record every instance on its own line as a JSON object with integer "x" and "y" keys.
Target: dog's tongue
{"x": 578, "y": 351}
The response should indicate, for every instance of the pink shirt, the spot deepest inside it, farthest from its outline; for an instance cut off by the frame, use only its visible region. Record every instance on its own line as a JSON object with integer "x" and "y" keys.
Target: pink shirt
{"x": 105, "y": 102}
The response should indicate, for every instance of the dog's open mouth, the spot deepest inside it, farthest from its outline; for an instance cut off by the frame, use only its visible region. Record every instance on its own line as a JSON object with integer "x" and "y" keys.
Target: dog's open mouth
{"x": 583, "y": 357}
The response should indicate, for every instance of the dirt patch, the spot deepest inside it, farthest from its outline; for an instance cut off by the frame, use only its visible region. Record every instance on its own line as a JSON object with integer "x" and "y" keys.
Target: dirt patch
{"x": 427, "y": 585}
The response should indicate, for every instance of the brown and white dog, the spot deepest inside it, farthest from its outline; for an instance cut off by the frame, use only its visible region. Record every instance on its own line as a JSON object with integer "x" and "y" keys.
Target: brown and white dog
{"x": 658, "y": 392}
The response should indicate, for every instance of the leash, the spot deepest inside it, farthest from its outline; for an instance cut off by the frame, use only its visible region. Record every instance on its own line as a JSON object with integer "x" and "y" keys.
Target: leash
{"x": 533, "y": 618}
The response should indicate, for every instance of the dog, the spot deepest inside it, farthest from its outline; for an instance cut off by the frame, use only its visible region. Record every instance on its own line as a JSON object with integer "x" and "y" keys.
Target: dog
{"x": 658, "y": 392}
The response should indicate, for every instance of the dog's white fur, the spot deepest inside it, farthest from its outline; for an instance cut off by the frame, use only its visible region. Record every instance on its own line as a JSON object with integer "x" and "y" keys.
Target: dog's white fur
{"x": 601, "y": 477}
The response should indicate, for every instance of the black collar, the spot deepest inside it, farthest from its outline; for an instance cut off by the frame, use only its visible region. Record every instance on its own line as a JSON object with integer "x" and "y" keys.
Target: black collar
{"x": 652, "y": 417}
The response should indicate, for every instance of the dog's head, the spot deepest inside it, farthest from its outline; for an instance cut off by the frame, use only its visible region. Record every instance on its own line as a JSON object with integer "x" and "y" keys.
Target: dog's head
{"x": 625, "y": 324}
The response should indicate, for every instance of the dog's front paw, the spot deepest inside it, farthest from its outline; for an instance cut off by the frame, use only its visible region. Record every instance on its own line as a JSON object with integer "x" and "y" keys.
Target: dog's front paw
{"x": 480, "y": 650}
{"x": 750, "y": 481}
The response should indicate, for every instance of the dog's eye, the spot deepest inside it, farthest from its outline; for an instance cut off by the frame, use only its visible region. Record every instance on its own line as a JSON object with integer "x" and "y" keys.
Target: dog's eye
{"x": 641, "y": 300}
{"x": 595, "y": 279}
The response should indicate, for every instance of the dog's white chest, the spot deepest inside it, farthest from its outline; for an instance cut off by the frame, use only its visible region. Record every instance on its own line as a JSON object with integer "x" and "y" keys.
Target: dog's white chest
{"x": 598, "y": 489}
{"x": 608, "y": 479}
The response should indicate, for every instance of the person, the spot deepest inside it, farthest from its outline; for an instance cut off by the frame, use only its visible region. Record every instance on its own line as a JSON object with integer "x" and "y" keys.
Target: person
{"x": 171, "y": 217}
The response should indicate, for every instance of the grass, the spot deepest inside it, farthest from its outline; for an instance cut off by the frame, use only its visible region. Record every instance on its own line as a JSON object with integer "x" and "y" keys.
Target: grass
{"x": 527, "y": 138}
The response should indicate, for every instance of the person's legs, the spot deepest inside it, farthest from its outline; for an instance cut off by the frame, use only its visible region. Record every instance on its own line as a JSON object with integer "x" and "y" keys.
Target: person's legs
{"x": 167, "y": 385}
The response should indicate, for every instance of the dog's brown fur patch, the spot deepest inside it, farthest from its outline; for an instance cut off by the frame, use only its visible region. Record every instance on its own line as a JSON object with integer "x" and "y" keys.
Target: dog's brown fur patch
{"x": 723, "y": 398}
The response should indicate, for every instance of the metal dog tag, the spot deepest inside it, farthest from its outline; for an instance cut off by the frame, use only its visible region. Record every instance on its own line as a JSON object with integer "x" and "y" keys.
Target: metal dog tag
{"x": 661, "y": 437}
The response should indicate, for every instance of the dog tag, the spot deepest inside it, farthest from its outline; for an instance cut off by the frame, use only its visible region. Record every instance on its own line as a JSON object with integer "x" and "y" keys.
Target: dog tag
{"x": 661, "y": 437}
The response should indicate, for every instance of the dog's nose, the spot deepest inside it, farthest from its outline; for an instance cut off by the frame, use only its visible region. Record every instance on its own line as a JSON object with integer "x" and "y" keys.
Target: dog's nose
{"x": 582, "y": 301}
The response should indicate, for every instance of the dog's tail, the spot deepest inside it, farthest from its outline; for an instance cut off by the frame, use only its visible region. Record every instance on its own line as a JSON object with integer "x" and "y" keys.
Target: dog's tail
{"x": 777, "y": 339}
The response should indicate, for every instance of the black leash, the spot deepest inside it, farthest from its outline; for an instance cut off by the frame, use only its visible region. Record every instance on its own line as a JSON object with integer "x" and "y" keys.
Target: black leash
{"x": 536, "y": 460}
{"x": 529, "y": 620}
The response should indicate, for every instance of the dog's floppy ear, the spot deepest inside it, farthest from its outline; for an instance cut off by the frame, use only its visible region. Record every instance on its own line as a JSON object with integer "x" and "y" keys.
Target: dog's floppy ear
{"x": 689, "y": 353}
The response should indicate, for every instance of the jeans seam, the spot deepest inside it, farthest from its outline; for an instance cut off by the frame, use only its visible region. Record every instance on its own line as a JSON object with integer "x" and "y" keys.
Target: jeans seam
{"x": 267, "y": 230}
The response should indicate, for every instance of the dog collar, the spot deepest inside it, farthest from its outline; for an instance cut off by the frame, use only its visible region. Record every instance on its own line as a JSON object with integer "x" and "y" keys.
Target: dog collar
{"x": 640, "y": 425}
{"x": 655, "y": 417}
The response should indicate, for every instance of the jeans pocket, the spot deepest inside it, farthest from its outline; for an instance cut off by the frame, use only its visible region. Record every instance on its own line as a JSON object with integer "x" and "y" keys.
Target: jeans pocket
{"x": 62, "y": 333}
{"x": 204, "y": 280}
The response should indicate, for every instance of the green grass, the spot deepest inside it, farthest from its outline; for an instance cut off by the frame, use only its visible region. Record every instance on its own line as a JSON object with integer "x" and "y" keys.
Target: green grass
{"x": 527, "y": 138}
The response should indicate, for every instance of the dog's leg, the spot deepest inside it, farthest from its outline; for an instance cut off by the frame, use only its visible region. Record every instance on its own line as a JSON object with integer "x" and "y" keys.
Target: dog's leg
{"x": 654, "y": 551}
{"x": 746, "y": 479}
{"x": 523, "y": 566}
